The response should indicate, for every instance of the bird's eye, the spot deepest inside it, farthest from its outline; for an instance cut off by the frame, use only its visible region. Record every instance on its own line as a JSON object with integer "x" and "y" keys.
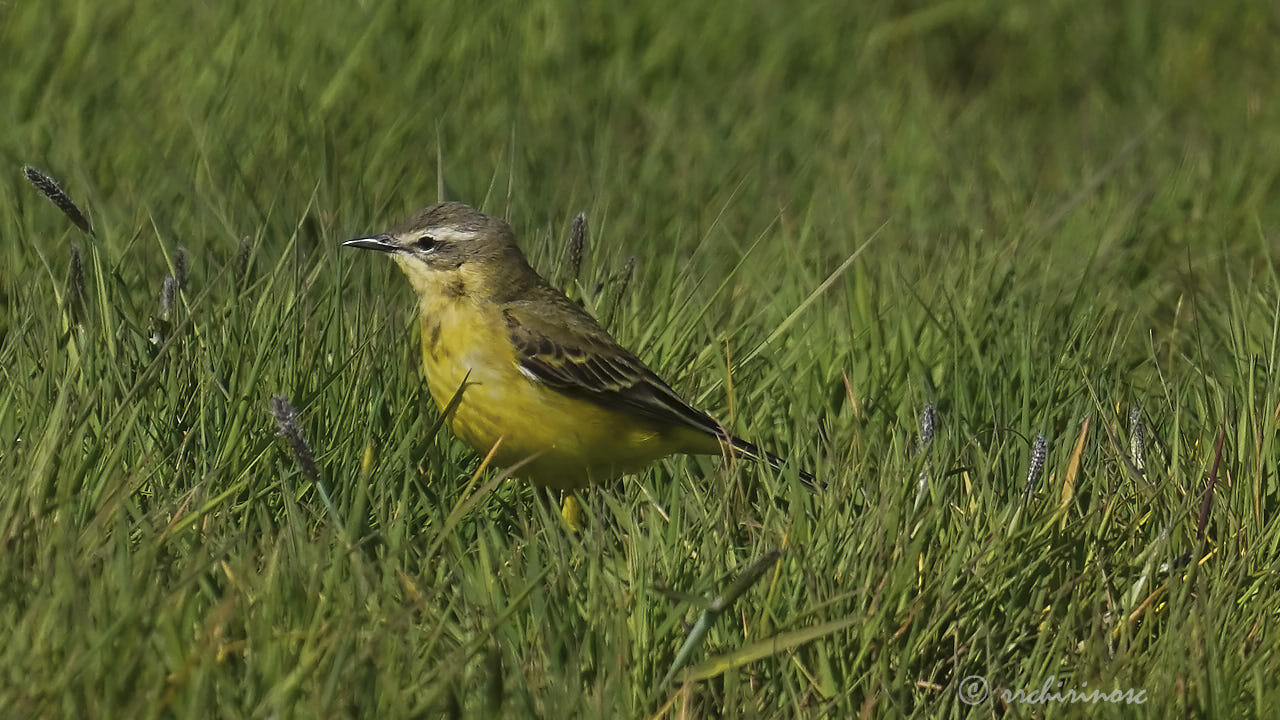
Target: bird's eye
{"x": 426, "y": 243}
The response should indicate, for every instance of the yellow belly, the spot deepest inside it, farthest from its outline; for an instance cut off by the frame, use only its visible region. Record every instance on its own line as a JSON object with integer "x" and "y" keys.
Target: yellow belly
{"x": 569, "y": 442}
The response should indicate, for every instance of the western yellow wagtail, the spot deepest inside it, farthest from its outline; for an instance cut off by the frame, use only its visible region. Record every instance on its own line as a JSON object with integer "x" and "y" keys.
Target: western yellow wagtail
{"x": 542, "y": 379}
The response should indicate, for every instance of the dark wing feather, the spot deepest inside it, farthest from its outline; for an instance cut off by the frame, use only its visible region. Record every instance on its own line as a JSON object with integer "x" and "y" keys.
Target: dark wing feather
{"x": 589, "y": 364}
{"x": 563, "y": 347}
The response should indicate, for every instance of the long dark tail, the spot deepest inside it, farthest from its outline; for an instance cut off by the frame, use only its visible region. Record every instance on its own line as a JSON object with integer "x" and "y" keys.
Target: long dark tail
{"x": 755, "y": 453}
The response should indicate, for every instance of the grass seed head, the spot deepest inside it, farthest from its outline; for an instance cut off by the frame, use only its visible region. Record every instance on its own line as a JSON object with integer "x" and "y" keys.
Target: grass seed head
{"x": 1137, "y": 437}
{"x": 59, "y": 197}
{"x": 75, "y": 283}
{"x": 287, "y": 427}
{"x": 167, "y": 291}
{"x": 181, "y": 268}
{"x": 576, "y": 246}
{"x": 928, "y": 425}
{"x": 624, "y": 282}
{"x": 77, "y": 271}
{"x": 241, "y": 263}
{"x": 1039, "y": 451}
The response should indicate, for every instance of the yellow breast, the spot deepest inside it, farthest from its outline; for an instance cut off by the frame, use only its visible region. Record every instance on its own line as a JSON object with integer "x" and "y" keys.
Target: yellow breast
{"x": 573, "y": 442}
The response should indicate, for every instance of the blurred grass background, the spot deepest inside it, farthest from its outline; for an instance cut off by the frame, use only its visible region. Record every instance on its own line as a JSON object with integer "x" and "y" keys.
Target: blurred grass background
{"x": 1072, "y": 212}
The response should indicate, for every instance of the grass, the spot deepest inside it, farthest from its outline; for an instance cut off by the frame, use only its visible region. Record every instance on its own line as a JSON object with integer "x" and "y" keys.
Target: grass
{"x": 1069, "y": 211}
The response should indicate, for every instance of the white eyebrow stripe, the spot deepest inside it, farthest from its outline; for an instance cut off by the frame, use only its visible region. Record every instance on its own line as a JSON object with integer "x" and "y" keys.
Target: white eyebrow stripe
{"x": 452, "y": 234}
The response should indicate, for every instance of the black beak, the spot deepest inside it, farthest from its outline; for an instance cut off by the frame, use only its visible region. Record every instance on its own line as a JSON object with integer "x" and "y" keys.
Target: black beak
{"x": 377, "y": 242}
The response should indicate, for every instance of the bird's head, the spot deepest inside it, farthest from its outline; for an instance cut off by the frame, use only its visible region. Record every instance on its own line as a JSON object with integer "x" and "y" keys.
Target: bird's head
{"x": 452, "y": 248}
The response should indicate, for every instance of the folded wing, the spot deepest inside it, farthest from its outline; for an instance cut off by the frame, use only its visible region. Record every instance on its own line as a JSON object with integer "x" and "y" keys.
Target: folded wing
{"x": 577, "y": 356}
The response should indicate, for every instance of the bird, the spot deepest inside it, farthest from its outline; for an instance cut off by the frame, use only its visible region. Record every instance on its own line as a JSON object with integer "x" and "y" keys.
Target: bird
{"x": 522, "y": 371}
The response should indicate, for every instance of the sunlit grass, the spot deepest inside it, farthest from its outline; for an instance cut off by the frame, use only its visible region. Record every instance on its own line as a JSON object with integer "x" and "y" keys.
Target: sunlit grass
{"x": 1068, "y": 213}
